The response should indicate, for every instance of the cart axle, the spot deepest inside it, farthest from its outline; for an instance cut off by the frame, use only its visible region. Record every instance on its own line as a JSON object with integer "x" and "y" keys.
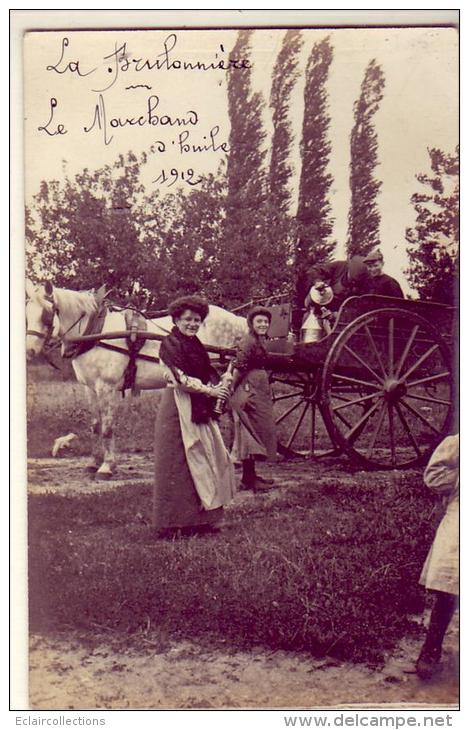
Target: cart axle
{"x": 394, "y": 389}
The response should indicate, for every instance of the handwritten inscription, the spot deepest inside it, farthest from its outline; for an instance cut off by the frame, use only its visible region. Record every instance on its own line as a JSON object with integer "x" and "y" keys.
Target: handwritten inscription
{"x": 148, "y": 118}
{"x": 174, "y": 175}
{"x": 59, "y": 129}
{"x": 209, "y": 144}
{"x": 61, "y": 67}
{"x": 119, "y": 61}
{"x": 184, "y": 132}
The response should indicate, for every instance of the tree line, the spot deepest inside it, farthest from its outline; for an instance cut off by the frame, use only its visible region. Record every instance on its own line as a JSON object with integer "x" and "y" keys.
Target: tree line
{"x": 236, "y": 236}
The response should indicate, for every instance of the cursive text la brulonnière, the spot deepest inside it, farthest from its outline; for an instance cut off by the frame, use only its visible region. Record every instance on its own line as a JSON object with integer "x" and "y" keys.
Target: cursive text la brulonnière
{"x": 120, "y": 60}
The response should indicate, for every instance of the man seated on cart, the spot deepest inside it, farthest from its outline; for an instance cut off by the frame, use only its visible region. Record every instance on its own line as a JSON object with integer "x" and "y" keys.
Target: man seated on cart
{"x": 330, "y": 284}
{"x": 380, "y": 283}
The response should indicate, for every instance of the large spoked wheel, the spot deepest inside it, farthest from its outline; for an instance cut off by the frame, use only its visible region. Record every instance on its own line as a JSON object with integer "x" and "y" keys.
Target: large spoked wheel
{"x": 300, "y": 428}
{"x": 387, "y": 389}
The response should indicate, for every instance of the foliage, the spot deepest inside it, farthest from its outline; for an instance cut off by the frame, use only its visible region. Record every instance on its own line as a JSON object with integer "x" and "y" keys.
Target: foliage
{"x": 285, "y": 75}
{"x": 87, "y": 230}
{"x": 101, "y": 227}
{"x": 313, "y": 217}
{"x": 251, "y": 261}
{"x": 433, "y": 253}
{"x": 364, "y": 217}
{"x": 331, "y": 568}
{"x": 282, "y": 227}
{"x": 186, "y": 260}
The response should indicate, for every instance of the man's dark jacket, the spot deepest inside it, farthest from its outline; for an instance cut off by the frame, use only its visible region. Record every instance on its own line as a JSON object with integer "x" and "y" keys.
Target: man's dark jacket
{"x": 385, "y": 286}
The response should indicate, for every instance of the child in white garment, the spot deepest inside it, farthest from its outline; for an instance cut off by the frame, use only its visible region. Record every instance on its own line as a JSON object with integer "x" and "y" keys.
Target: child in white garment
{"x": 440, "y": 573}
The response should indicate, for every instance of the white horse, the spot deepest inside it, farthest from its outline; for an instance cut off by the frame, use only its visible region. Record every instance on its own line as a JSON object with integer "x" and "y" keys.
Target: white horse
{"x": 65, "y": 314}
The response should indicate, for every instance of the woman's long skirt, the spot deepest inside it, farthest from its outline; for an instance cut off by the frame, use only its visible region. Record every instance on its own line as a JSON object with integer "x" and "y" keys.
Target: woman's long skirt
{"x": 253, "y": 412}
{"x": 175, "y": 499}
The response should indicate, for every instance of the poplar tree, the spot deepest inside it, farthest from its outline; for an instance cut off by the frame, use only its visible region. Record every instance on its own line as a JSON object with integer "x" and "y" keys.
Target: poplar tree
{"x": 364, "y": 217}
{"x": 314, "y": 211}
{"x": 282, "y": 226}
{"x": 245, "y": 269}
{"x": 285, "y": 75}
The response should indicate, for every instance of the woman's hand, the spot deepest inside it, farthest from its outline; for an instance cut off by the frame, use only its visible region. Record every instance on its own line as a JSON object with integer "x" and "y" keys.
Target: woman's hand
{"x": 220, "y": 391}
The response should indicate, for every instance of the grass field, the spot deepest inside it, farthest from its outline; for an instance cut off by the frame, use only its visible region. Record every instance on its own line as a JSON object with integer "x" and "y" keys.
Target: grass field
{"x": 328, "y": 562}
{"x": 57, "y": 406}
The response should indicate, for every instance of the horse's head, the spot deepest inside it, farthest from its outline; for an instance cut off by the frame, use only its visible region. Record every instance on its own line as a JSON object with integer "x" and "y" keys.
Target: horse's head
{"x": 40, "y": 312}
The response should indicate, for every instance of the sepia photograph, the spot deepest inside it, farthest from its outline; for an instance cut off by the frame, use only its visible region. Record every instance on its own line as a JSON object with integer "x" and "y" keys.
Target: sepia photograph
{"x": 241, "y": 249}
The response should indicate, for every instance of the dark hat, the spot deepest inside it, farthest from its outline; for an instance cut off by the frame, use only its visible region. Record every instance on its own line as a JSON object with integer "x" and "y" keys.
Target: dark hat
{"x": 374, "y": 255}
{"x": 192, "y": 302}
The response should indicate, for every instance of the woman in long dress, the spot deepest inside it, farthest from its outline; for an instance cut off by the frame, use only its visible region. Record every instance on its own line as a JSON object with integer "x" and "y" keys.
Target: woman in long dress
{"x": 194, "y": 475}
{"x": 440, "y": 573}
{"x": 255, "y": 437}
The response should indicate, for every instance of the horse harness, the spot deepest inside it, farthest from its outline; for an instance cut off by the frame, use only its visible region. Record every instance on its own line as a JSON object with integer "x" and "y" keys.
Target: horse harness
{"x": 134, "y": 321}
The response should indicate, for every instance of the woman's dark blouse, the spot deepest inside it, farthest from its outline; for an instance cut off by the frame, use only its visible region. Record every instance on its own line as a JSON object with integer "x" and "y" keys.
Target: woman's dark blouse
{"x": 251, "y": 354}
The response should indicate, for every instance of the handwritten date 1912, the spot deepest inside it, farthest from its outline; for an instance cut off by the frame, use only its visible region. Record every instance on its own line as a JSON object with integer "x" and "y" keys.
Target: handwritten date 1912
{"x": 188, "y": 176}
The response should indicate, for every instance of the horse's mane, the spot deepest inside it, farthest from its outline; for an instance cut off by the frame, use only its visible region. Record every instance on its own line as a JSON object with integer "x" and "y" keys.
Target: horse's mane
{"x": 74, "y": 303}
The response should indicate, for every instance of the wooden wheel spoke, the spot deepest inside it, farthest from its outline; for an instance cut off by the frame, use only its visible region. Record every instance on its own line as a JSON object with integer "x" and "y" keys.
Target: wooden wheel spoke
{"x": 361, "y": 422}
{"x": 357, "y": 381}
{"x": 288, "y": 411}
{"x": 406, "y": 350}
{"x": 376, "y": 430}
{"x": 407, "y": 429}
{"x": 429, "y": 379}
{"x": 363, "y": 363}
{"x": 297, "y": 426}
{"x": 440, "y": 401}
{"x": 391, "y": 346}
{"x": 419, "y": 362}
{"x": 277, "y": 398}
{"x": 338, "y": 396}
{"x": 291, "y": 383}
{"x": 419, "y": 416}
{"x": 392, "y": 434}
{"x": 353, "y": 402}
{"x": 375, "y": 350}
{"x": 342, "y": 418}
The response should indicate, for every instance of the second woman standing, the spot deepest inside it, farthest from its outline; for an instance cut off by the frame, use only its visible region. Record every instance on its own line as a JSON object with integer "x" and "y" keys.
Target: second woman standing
{"x": 255, "y": 436}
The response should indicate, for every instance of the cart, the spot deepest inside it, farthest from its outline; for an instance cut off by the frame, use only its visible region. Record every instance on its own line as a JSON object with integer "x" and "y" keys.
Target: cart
{"x": 381, "y": 387}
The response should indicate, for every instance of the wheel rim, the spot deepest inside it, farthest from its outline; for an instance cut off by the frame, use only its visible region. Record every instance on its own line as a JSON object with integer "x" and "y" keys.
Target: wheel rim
{"x": 387, "y": 389}
{"x": 298, "y": 417}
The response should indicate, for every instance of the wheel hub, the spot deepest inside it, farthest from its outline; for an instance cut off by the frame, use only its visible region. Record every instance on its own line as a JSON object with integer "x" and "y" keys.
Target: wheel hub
{"x": 394, "y": 389}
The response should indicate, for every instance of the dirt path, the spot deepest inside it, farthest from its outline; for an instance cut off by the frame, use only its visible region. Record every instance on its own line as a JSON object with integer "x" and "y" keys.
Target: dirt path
{"x": 66, "y": 675}
{"x": 69, "y": 476}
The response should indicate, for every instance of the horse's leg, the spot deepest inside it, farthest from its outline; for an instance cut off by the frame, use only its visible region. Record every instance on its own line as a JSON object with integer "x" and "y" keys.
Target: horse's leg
{"x": 96, "y": 445}
{"x": 106, "y": 398}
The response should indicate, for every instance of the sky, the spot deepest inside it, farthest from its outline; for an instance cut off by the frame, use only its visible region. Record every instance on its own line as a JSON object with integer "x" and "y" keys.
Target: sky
{"x": 94, "y": 87}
